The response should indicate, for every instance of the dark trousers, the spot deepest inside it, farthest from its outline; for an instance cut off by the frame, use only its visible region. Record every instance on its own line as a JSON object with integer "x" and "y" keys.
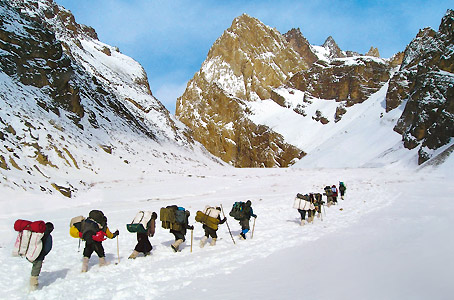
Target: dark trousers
{"x": 178, "y": 235}
{"x": 94, "y": 246}
{"x": 210, "y": 232}
{"x": 143, "y": 244}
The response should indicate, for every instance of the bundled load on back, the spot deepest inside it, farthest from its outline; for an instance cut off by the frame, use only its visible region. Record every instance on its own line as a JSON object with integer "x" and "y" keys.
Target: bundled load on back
{"x": 96, "y": 222}
{"x": 173, "y": 217}
{"x": 140, "y": 223}
{"x": 303, "y": 202}
{"x": 209, "y": 216}
{"x": 238, "y": 211}
{"x": 28, "y": 242}
{"x": 75, "y": 227}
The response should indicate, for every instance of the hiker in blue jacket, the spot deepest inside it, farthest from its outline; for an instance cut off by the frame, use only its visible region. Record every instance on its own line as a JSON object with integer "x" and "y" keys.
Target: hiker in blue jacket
{"x": 38, "y": 262}
{"x": 244, "y": 222}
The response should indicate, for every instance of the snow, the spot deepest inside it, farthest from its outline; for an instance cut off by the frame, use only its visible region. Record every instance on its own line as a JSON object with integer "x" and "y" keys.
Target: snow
{"x": 364, "y": 137}
{"x": 387, "y": 240}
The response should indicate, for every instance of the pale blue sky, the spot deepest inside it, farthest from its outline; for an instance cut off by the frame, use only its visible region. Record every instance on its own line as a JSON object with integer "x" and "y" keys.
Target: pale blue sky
{"x": 171, "y": 38}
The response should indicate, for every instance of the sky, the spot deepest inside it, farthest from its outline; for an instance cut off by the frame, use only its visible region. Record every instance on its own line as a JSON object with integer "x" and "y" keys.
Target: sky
{"x": 171, "y": 39}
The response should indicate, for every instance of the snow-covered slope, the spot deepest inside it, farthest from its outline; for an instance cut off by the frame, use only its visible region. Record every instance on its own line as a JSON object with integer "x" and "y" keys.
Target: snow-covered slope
{"x": 76, "y": 111}
{"x": 387, "y": 240}
{"x": 364, "y": 137}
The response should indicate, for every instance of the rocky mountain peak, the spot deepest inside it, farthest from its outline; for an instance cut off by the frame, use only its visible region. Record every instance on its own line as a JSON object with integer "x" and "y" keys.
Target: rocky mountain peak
{"x": 244, "y": 65}
{"x": 373, "y": 52}
{"x": 333, "y": 49}
{"x": 301, "y": 45}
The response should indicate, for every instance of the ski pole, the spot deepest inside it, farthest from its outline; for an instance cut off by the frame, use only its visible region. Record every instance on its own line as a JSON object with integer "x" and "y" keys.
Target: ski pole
{"x": 228, "y": 225}
{"x": 253, "y": 227}
{"x": 118, "y": 250}
{"x": 78, "y": 249}
{"x": 192, "y": 235}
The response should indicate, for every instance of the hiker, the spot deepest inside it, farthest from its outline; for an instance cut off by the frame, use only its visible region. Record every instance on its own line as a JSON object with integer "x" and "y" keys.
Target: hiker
{"x": 318, "y": 204}
{"x": 342, "y": 189}
{"x": 143, "y": 243}
{"x": 94, "y": 232}
{"x": 329, "y": 196}
{"x": 180, "y": 233}
{"x": 244, "y": 222}
{"x": 305, "y": 205}
{"x": 334, "y": 190}
{"x": 38, "y": 262}
{"x": 210, "y": 231}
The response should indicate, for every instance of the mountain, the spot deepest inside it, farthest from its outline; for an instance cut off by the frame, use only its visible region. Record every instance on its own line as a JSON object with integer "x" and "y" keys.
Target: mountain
{"x": 74, "y": 109}
{"x": 243, "y": 65}
{"x": 425, "y": 82}
{"x": 326, "y": 91}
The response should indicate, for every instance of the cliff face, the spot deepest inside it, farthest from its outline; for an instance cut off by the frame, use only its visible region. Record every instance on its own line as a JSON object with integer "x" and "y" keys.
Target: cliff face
{"x": 243, "y": 65}
{"x": 425, "y": 84}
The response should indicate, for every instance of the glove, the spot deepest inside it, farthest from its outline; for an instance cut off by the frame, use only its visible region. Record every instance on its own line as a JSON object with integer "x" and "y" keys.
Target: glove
{"x": 255, "y": 216}
{"x": 191, "y": 227}
{"x": 116, "y": 233}
{"x": 225, "y": 219}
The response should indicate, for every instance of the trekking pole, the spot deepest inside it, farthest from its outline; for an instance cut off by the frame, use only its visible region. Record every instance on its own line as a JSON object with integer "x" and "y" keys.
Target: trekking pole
{"x": 253, "y": 227}
{"x": 192, "y": 235}
{"x": 118, "y": 250}
{"x": 228, "y": 225}
{"x": 78, "y": 249}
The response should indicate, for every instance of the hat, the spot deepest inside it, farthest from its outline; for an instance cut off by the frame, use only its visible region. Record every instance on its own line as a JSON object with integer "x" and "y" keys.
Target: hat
{"x": 49, "y": 227}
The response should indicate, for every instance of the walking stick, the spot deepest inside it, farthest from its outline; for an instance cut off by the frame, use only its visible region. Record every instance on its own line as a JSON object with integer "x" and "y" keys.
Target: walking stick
{"x": 253, "y": 226}
{"x": 192, "y": 235}
{"x": 228, "y": 225}
{"x": 118, "y": 250}
{"x": 78, "y": 249}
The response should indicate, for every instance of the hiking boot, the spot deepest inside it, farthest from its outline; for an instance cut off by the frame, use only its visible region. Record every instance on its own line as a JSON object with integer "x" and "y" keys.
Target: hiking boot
{"x": 203, "y": 241}
{"x": 175, "y": 246}
{"x": 85, "y": 264}
{"x": 133, "y": 255}
{"x": 147, "y": 253}
{"x": 33, "y": 283}
{"x": 213, "y": 242}
{"x": 102, "y": 262}
{"x": 242, "y": 236}
{"x": 318, "y": 215}
{"x": 302, "y": 222}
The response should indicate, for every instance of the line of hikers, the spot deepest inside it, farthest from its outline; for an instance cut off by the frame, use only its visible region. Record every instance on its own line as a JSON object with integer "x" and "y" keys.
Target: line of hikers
{"x": 34, "y": 240}
{"x": 311, "y": 204}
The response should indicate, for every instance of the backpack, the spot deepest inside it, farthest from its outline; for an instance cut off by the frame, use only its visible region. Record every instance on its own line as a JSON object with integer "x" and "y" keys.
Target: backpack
{"x": 302, "y": 202}
{"x": 98, "y": 217}
{"x": 172, "y": 217}
{"x": 180, "y": 215}
{"x": 208, "y": 217}
{"x": 28, "y": 242}
{"x": 75, "y": 227}
{"x": 237, "y": 211}
{"x": 140, "y": 222}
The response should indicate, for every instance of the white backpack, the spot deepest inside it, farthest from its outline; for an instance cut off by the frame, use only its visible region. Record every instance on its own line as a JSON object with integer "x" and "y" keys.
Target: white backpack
{"x": 211, "y": 211}
{"x": 28, "y": 244}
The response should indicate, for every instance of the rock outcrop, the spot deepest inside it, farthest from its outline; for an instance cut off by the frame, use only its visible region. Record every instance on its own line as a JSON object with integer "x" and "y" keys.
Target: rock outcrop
{"x": 425, "y": 84}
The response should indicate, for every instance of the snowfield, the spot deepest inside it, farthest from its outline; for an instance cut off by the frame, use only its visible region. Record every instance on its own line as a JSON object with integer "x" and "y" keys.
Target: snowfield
{"x": 391, "y": 238}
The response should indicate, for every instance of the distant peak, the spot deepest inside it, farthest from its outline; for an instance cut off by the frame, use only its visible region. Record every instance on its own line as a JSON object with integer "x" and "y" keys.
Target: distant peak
{"x": 329, "y": 41}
